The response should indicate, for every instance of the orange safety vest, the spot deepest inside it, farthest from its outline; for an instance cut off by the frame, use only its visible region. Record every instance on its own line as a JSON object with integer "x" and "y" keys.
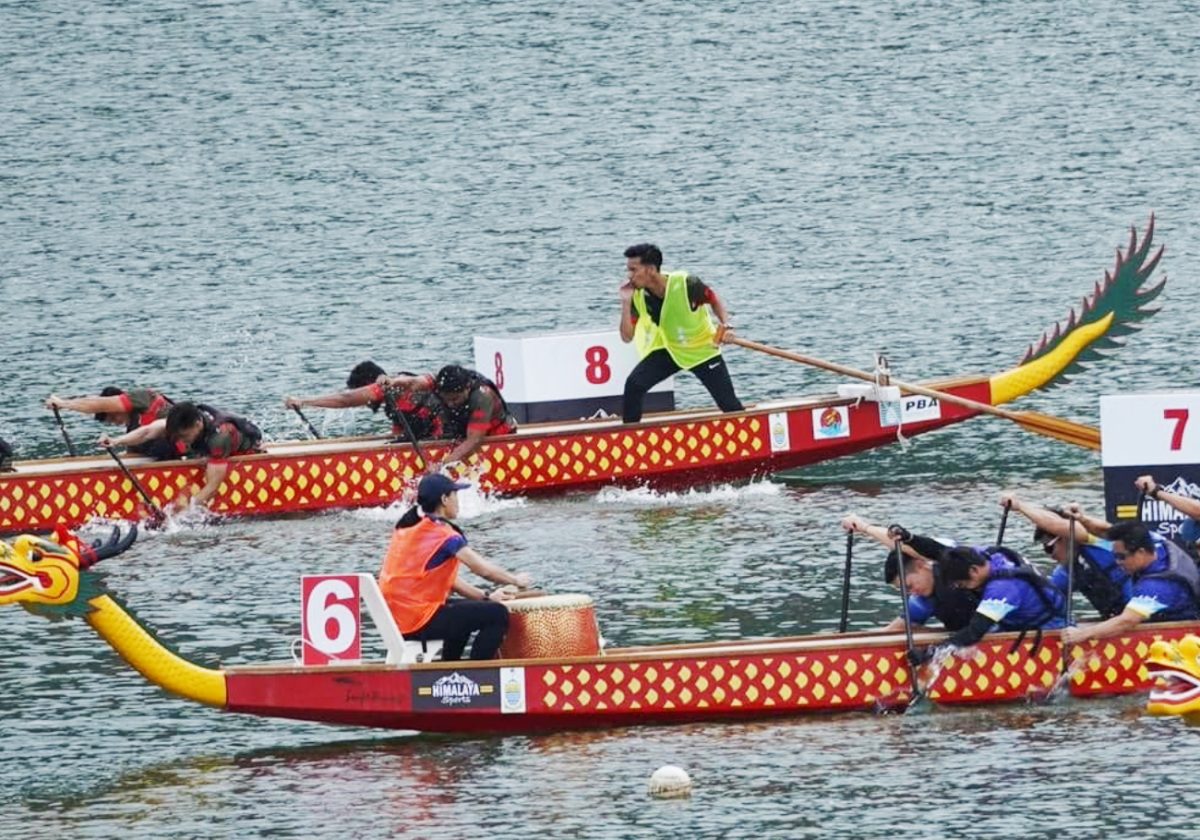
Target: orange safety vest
{"x": 414, "y": 593}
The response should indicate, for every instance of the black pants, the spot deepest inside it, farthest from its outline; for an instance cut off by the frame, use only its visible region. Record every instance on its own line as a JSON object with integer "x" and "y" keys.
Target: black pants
{"x": 458, "y": 619}
{"x": 656, "y": 367}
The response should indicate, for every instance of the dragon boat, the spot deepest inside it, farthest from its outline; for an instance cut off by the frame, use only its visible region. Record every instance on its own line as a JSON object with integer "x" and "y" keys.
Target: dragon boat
{"x": 669, "y": 449}
{"x": 570, "y": 683}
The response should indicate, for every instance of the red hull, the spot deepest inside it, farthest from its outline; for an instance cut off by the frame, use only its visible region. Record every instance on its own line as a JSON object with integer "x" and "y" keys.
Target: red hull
{"x": 677, "y": 684}
{"x": 671, "y": 450}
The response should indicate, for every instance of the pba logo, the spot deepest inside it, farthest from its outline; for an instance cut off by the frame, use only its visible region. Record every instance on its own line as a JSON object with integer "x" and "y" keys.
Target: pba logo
{"x": 831, "y": 422}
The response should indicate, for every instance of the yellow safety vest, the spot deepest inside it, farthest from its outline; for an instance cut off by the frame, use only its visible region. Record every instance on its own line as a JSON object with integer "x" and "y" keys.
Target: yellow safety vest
{"x": 687, "y": 334}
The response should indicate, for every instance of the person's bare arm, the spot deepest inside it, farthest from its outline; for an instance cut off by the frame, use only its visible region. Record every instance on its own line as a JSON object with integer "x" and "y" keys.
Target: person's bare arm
{"x": 341, "y": 399}
{"x": 1115, "y": 626}
{"x": 87, "y": 405}
{"x": 140, "y": 435}
{"x": 489, "y": 570}
{"x": 214, "y": 476}
{"x": 627, "y": 324}
{"x": 1047, "y": 520}
{"x": 1189, "y": 507}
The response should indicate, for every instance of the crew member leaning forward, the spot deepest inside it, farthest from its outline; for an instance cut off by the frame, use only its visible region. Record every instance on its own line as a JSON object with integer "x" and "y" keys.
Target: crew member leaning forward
{"x": 200, "y": 431}
{"x": 421, "y": 569}
{"x": 928, "y": 597}
{"x": 473, "y": 407}
{"x": 132, "y": 409}
{"x": 423, "y": 411}
{"x": 664, "y": 316}
{"x": 1166, "y": 583}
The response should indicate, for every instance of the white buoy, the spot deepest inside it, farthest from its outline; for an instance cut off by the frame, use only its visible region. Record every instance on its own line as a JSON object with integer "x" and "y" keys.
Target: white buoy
{"x": 670, "y": 782}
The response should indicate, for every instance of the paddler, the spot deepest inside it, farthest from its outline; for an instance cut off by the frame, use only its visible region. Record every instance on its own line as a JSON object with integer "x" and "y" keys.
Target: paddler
{"x": 423, "y": 410}
{"x": 131, "y": 408}
{"x": 1013, "y": 594}
{"x": 1097, "y": 574}
{"x": 199, "y": 431}
{"x": 1165, "y": 583}
{"x": 666, "y": 316}
{"x": 474, "y": 408}
{"x": 423, "y": 567}
{"x": 927, "y": 599}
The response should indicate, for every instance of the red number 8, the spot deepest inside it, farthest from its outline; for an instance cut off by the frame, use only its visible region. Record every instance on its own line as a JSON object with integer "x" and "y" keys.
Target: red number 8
{"x": 598, "y": 372}
{"x": 499, "y": 377}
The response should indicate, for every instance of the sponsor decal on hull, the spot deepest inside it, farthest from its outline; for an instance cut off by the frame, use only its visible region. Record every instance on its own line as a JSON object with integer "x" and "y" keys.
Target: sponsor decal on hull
{"x": 910, "y": 409}
{"x": 831, "y": 422}
{"x": 472, "y": 690}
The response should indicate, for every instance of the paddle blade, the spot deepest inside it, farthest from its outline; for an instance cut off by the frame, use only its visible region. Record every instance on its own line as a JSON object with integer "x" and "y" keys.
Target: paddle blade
{"x": 1076, "y": 434}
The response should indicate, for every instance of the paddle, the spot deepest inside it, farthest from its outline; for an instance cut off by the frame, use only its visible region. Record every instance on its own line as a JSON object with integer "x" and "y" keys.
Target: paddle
{"x": 412, "y": 438}
{"x": 1067, "y": 431}
{"x": 844, "y": 623}
{"x": 1070, "y": 579}
{"x": 910, "y": 649}
{"x": 1003, "y": 524}
{"x": 62, "y": 428}
{"x": 311, "y": 429}
{"x": 158, "y": 513}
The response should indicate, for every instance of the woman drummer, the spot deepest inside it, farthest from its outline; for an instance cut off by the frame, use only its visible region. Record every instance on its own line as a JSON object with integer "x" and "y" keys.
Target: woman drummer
{"x": 421, "y": 570}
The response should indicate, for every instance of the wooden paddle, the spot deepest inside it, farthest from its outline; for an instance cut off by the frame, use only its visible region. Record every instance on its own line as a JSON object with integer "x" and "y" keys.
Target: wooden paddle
{"x": 159, "y": 516}
{"x": 312, "y": 430}
{"x": 844, "y": 623}
{"x": 910, "y": 649}
{"x": 62, "y": 428}
{"x": 1067, "y": 431}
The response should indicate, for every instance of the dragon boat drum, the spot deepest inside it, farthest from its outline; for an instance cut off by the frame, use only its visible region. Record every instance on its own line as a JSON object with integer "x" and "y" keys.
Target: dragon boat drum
{"x": 551, "y": 626}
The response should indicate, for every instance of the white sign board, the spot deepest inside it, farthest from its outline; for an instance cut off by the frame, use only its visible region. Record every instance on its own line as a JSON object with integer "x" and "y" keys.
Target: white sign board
{"x": 559, "y": 366}
{"x": 1150, "y": 429}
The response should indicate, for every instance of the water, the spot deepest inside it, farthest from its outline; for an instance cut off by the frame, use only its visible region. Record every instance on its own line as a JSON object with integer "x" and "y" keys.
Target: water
{"x": 239, "y": 201}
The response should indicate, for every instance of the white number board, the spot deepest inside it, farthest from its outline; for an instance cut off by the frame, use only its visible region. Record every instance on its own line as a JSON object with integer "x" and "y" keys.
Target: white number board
{"x": 331, "y": 619}
{"x": 1150, "y": 429}
{"x": 559, "y": 366}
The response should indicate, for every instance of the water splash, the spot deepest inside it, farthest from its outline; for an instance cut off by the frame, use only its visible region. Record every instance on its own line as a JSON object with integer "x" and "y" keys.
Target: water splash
{"x": 695, "y": 496}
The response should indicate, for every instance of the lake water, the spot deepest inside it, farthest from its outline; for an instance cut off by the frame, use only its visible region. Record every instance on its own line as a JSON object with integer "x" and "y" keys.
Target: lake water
{"x": 241, "y": 200}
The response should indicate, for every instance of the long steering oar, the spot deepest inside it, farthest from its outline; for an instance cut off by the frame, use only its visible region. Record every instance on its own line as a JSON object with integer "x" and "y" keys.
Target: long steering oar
{"x": 312, "y": 430}
{"x": 62, "y": 428}
{"x": 844, "y": 623}
{"x": 158, "y": 512}
{"x": 1043, "y": 424}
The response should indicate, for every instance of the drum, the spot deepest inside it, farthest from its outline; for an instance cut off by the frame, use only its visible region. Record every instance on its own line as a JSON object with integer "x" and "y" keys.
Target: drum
{"x": 550, "y": 626}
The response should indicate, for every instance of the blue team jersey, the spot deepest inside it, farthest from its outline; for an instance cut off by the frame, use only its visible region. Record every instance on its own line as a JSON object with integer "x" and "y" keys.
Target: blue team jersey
{"x": 1161, "y": 599}
{"x": 1014, "y": 604}
{"x": 1097, "y": 555}
{"x": 920, "y": 608}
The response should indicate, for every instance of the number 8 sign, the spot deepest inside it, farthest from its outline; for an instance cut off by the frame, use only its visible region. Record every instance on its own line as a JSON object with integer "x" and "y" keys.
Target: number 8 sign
{"x": 331, "y": 620}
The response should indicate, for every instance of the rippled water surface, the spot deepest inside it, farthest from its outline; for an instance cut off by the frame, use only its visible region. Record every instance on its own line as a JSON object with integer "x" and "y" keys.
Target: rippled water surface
{"x": 242, "y": 200}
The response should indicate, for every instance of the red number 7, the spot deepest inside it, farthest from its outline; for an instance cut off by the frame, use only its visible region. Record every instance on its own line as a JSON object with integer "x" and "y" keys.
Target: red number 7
{"x": 1180, "y": 416}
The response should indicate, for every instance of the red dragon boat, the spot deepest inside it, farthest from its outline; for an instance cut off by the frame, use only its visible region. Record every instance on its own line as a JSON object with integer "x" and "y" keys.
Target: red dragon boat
{"x": 670, "y": 449}
{"x": 543, "y": 688}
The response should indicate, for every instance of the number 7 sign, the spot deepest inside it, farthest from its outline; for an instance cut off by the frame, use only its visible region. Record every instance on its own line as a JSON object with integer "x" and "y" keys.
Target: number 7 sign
{"x": 1148, "y": 429}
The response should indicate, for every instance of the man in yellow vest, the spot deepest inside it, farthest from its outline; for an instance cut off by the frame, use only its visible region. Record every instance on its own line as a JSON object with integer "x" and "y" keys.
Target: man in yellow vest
{"x": 664, "y": 315}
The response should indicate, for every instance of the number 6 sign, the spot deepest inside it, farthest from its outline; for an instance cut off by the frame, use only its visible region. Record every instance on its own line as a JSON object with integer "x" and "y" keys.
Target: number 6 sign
{"x": 331, "y": 620}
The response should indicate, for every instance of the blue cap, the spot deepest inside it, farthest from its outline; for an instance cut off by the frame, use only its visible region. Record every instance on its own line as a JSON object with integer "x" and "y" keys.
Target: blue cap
{"x": 433, "y": 487}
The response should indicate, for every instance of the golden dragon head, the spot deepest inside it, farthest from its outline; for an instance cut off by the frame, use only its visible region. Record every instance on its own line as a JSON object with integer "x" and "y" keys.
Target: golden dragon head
{"x": 1175, "y": 666}
{"x": 49, "y": 575}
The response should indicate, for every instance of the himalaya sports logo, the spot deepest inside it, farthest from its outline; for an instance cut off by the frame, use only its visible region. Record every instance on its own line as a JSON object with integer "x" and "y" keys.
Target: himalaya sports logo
{"x": 455, "y": 690}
